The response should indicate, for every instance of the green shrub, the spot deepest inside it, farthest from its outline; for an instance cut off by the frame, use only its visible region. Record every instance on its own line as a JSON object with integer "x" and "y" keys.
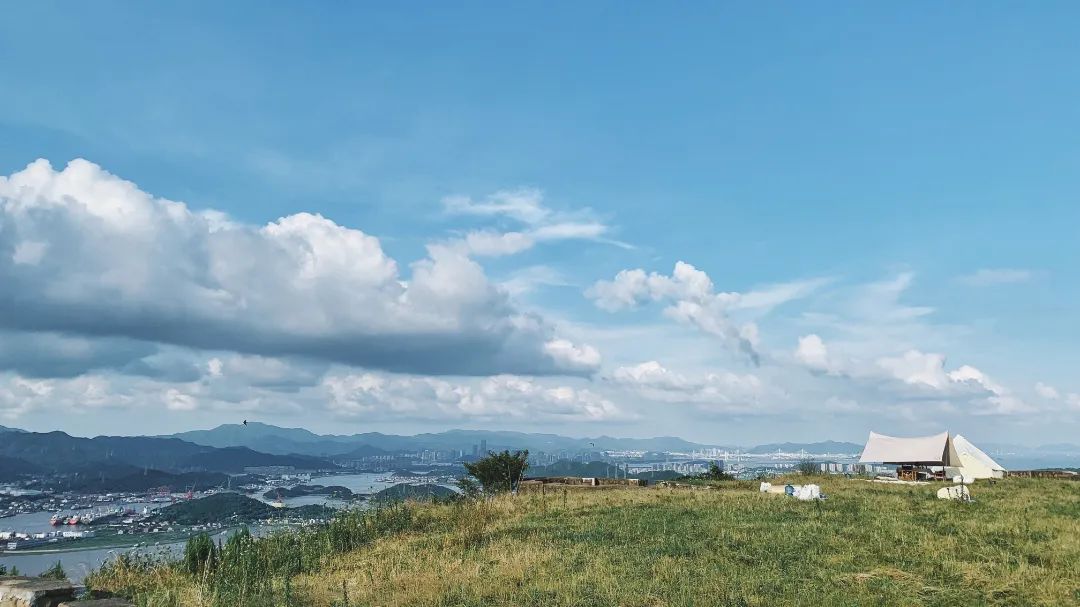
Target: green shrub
{"x": 56, "y": 572}
{"x": 499, "y": 472}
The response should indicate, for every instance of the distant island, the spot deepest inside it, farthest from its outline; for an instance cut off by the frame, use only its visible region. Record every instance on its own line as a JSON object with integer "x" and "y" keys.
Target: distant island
{"x": 333, "y": 491}
{"x": 405, "y": 491}
{"x": 234, "y": 508}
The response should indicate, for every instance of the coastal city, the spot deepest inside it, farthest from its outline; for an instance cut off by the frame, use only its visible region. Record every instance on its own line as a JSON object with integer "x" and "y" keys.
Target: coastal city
{"x": 62, "y": 516}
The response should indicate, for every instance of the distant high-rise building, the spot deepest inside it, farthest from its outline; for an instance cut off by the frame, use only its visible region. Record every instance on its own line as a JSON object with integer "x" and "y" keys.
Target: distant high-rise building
{"x": 476, "y": 450}
{"x": 483, "y": 446}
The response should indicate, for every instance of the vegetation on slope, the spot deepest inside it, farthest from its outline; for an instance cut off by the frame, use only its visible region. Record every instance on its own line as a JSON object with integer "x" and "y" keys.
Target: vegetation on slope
{"x": 334, "y": 491}
{"x": 405, "y": 491}
{"x": 868, "y": 544}
{"x": 58, "y": 452}
{"x": 232, "y": 508}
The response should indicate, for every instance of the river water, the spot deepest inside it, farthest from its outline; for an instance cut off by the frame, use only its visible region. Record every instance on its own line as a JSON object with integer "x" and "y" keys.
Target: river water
{"x": 77, "y": 563}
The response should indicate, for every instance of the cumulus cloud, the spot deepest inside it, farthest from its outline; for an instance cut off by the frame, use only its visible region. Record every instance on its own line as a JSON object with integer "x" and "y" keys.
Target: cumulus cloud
{"x": 571, "y": 356}
{"x": 813, "y": 353}
{"x": 927, "y": 370}
{"x": 19, "y": 395}
{"x": 371, "y": 395}
{"x": 721, "y": 391}
{"x": 692, "y": 300}
{"x": 85, "y": 253}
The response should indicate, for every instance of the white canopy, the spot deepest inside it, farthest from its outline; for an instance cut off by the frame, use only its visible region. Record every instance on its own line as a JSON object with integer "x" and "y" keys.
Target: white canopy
{"x": 973, "y": 462}
{"x": 936, "y": 450}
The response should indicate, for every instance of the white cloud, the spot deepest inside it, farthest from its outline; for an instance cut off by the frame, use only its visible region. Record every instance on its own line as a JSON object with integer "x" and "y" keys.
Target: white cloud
{"x": 524, "y": 205}
{"x": 373, "y": 395}
{"x": 693, "y": 300}
{"x": 528, "y": 279}
{"x": 571, "y": 356}
{"x": 988, "y": 277}
{"x": 537, "y": 222}
{"x": 917, "y": 368}
{"x": 20, "y": 395}
{"x": 966, "y": 384}
{"x": 115, "y": 261}
{"x": 495, "y": 244}
{"x": 1046, "y": 391}
{"x": 720, "y": 391}
{"x": 813, "y": 353}
{"x": 176, "y": 400}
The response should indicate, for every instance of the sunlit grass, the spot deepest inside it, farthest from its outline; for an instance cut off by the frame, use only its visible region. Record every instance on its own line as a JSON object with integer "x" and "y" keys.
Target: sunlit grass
{"x": 868, "y": 544}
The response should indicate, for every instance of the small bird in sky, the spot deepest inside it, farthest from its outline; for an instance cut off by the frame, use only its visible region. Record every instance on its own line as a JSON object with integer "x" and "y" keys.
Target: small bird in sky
{"x": 245, "y": 422}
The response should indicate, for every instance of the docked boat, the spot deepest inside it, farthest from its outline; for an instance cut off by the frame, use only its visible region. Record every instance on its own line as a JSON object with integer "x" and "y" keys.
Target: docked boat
{"x": 74, "y": 520}
{"x": 56, "y": 520}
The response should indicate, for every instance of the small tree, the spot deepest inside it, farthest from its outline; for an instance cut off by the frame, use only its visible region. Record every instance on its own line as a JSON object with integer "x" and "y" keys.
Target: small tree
{"x": 807, "y": 467}
{"x": 716, "y": 473}
{"x": 200, "y": 555}
{"x": 499, "y": 472}
{"x": 470, "y": 489}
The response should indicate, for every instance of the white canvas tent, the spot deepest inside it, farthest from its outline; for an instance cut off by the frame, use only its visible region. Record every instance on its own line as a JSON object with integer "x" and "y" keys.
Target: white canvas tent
{"x": 936, "y": 450}
{"x": 974, "y": 464}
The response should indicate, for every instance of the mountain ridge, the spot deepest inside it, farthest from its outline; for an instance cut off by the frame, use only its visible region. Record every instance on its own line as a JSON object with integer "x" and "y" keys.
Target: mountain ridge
{"x": 60, "y": 452}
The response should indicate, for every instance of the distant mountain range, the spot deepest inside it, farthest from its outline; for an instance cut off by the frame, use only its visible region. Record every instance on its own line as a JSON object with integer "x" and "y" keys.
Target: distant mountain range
{"x": 60, "y": 453}
{"x": 828, "y": 446}
{"x": 272, "y": 439}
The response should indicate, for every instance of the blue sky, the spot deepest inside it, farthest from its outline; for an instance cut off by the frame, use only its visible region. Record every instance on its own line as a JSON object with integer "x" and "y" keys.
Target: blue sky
{"x": 898, "y": 182}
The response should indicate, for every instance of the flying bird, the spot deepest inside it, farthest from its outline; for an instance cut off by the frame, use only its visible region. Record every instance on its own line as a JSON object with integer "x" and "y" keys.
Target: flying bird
{"x": 245, "y": 422}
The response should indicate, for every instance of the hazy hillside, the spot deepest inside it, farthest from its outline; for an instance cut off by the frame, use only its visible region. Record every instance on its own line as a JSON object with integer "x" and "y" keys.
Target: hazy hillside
{"x": 821, "y": 447}
{"x": 129, "y": 478}
{"x": 12, "y": 468}
{"x": 60, "y": 453}
{"x": 235, "y": 459}
{"x": 272, "y": 439}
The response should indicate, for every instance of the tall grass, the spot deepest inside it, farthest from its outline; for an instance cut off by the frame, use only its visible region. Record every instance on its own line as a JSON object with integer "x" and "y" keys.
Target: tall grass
{"x": 246, "y": 570}
{"x": 715, "y": 544}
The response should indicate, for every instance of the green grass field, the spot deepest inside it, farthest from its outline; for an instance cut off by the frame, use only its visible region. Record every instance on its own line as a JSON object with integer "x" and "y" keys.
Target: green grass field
{"x": 726, "y": 544}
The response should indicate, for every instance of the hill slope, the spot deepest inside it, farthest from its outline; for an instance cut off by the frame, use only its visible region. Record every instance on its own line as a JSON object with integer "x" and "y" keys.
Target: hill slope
{"x": 59, "y": 452}
{"x": 12, "y": 468}
{"x": 731, "y": 546}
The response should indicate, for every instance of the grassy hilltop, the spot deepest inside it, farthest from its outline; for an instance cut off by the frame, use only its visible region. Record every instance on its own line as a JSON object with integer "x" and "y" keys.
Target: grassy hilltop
{"x": 868, "y": 544}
